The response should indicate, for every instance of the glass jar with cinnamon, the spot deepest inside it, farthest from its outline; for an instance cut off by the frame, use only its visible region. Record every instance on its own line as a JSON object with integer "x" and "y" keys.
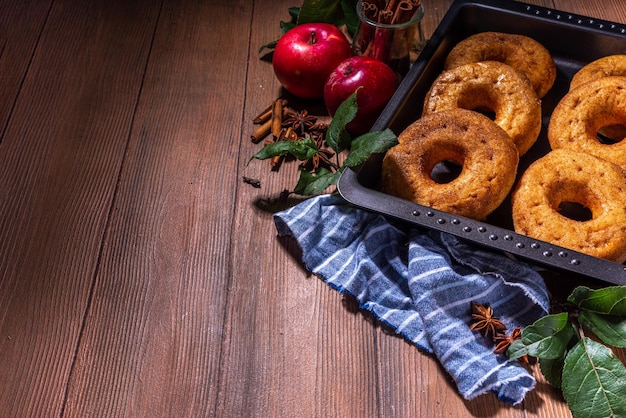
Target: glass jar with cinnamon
{"x": 390, "y": 31}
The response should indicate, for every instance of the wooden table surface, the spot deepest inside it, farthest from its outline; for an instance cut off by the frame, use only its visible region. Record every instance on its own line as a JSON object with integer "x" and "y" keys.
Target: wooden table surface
{"x": 139, "y": 276}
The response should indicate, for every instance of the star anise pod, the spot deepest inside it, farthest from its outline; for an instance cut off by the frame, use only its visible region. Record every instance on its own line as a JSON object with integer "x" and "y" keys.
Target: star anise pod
{"x": 300, "y": 120}
{"x": 503, "y": 340}
{"x": 485, "y": 321}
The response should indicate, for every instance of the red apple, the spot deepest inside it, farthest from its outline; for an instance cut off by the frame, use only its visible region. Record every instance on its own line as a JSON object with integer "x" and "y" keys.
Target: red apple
{"x": 305, "y": 56}
{"x": 378, "y": 82}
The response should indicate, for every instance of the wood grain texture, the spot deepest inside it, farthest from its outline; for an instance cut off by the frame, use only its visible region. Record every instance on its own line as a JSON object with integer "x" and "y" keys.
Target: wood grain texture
{"x": 63, "y": 144}
{"x": 152, "y": 335}
{"x": 296, "y": 332}
{"x": 139, "y": 275}
{"x": 21, "y": 24}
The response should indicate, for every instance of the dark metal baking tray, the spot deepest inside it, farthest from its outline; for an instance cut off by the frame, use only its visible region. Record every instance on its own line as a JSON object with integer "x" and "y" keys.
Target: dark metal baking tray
{"x": 573, "y": 41}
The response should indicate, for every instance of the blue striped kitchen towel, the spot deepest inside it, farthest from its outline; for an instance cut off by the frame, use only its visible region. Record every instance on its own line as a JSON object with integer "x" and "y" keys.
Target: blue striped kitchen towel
{"x": 421, "y": 283}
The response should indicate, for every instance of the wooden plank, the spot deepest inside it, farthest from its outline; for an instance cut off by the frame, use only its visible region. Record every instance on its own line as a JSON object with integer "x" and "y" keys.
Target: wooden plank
{"x": 151, "y": 344}
{"x": 21, "y": 24}
{"x": 60, "y": 160}
{"x": 612, "y": 10}
{"x": 192, "y": 306}
{"x": 291, "y": 348}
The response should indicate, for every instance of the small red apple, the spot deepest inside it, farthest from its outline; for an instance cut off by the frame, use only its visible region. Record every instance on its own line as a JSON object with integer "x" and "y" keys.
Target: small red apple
{"x": 305, "y": 56}
{"x": 378, "y": 82}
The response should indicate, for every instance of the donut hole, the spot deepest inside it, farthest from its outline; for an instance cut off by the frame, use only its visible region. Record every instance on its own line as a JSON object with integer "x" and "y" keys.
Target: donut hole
{"x": 611, "y": 134}
{"x": 445, "y": 171}
{"x": 575, "y": 211}
{"x": 576, "y": 201}
{"x": 486, "y": 112}
{"x": 444, "y": 162}
{"x": 479, "y": 99}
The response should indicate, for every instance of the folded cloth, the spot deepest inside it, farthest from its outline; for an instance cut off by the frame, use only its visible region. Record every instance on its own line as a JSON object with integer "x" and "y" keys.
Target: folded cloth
{"x": 421, "y": 283}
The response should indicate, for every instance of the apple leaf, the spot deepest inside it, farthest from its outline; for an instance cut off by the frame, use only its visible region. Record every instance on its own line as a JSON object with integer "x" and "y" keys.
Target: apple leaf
{"x": 609, "y": 300}
{"x": 328, "y": 11}
{"x": 594, "y": 381}
{"x": 311, "y": 184}
{"x": 294, "y": 12}
{"x": 337, "y": 136}
{"x": 302, "y": 150}
{"x": 365, "y": 145}
{"x": 552, "y": 370}
{"x": 548, "y": 337}
{"x": 350, "y": 17}
{"x": 516, "y": 350}
{"x": 284, "y": 27}
{"x": 610, "y": 329}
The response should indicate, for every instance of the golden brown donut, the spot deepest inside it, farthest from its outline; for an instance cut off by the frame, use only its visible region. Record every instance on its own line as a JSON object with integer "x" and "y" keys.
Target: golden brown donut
{"x": 569, "y": 176}
{"x": 581, "y": 113}
{"x": 492, "y": 86}
{"x": 611, "y": 65}
{"x": 520, "y": 52}
{"x": 486, "y": 153}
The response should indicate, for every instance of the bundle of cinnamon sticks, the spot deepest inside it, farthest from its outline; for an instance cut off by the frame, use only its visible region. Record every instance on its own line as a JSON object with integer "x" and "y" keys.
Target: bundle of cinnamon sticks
{"x": 390, "y": 12}
{"x": 384, "y": 34}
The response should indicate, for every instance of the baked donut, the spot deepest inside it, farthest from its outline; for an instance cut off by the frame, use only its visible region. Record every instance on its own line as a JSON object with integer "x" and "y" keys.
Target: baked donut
{"x": 492, "y": 86}
{"x": 611, "y": 65}
{"x": 567, "y": 176}
{"x": 485, "y": 152}
{"x": 581, "y": 113}
{"x": 520, "y": 52}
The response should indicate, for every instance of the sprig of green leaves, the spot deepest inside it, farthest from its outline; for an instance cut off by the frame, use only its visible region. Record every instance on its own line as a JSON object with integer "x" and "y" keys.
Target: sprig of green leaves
{"x": 359, "y": 148}
{"x": 335, "y": 12}
{"x": 591, "y": 377}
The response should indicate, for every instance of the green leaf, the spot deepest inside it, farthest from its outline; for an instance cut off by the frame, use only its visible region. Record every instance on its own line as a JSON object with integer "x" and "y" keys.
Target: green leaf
{"x": 594, "y": 381}
{"x": 328, "y": 11}
{"x": 294, "y": 12}
{"x": 269, "y": 45}
{"x": 337, "y": 136}
{"x": 365, "y": 145}
{"x": 311, "y": 184}
{"x": 549, "y": 336}
{"x": 284, "y": 27}
{"x": 516, "y": 350}
{"x": 610, "y": 329}
{"x": 552, "y": 370}
{"x": 609, "y": 300}
{"x": 302, "y": 150}
{"x": 350, "y": 17}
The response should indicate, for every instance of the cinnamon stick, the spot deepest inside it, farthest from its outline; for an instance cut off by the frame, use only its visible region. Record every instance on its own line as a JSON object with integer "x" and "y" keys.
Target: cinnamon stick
{"x": 276, "y": 161}
{"x": 277, "y": 117}
{"x": 286, "y": 134}
{"x": 370, "y": 10}
{"x": 381, "y": 47}
{"x": 262, "y": 131}
{"x": 404, "y": 12}
{"x": 385, "y": 16}
{"x": 264, "y": 115}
